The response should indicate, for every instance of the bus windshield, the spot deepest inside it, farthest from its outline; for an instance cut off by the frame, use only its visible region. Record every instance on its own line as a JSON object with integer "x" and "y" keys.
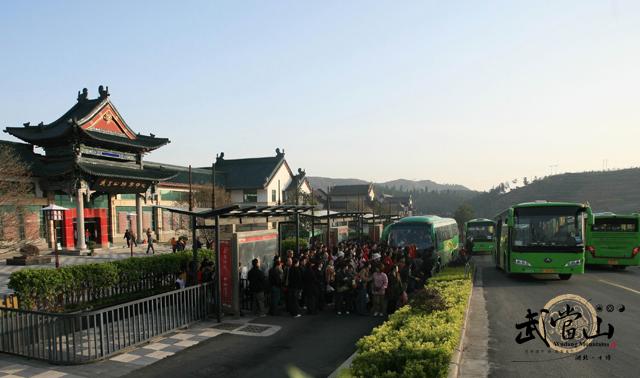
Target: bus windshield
{"x": 557, "y": 228}
{"x": 410, "y": 234}
{"x": 615, "y": 225}
{"x": 480, "y": 231}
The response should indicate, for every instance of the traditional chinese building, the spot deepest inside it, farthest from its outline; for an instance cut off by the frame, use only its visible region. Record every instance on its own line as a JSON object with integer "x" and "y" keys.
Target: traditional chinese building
{"x": 90, "y": 156}
{"x": 93, "y": 165}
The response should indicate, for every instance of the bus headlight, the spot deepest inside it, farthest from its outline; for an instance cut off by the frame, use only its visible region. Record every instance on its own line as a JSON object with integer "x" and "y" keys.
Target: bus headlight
{"x": 574, "y": 262}
{"x": 522, "y": 262}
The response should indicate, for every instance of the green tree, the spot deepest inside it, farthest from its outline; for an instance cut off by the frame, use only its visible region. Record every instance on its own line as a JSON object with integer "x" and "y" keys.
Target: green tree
{"x": 463, "y": 213}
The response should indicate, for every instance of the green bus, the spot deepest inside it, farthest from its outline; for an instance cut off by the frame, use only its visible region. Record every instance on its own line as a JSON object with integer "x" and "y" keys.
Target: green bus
{"x": 542, "y": 237}
{"x": 479, "y": 236}
{"x": 613, "y": 240}
{"x": 436, "y": 239}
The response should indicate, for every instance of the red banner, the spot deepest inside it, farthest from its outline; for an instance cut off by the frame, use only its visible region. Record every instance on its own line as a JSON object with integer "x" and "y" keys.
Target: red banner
{"x": 226, "y": 266}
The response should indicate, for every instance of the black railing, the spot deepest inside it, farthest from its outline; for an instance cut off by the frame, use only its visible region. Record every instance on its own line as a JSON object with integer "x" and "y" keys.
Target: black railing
{"x": 88, "y": 336}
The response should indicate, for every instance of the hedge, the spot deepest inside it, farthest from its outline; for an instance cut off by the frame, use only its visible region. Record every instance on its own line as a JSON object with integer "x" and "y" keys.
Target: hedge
{"x": 67, "y": 287}
{"x": 290, "y": 244}
{"x": 415, "y": 342}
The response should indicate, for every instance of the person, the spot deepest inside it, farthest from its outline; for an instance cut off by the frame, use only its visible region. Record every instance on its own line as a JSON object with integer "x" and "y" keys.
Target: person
{"x": 380, "y": 283}
{"x": 294, "y": 288}
{"x": 181, "y": 280}
{"x": 150, "y": 241}
{"x": 311, "y": 288}
{"x": 174, "y": 244}
{"x": 257, "y": 283}
{"x": 362, "y": 280}
{"x": 276, "y": 279}
{"x": 329, "y": 278}
{"x": 395, "y": 289}
{"x": 127, "y": 237}
{"x": 343, "y": 283}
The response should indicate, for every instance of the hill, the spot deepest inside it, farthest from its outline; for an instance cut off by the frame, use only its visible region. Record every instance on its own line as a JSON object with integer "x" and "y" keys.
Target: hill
{"x": 399, "y": 184}
{"x": 615, "y": 191}
{"x": 325, "y": 182}
{"x": 409, "y": 185}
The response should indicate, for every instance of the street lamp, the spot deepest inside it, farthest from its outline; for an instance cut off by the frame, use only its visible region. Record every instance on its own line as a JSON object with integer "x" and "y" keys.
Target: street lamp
{"x": 54, "y": 213}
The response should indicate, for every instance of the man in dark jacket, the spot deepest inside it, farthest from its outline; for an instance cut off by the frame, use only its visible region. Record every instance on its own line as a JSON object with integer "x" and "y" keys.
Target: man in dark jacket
{"x": 294, "y": 288}
{"x": 311, "y": 288}
{"x": 257, "y": 284}
{"x": 276, "y": 280}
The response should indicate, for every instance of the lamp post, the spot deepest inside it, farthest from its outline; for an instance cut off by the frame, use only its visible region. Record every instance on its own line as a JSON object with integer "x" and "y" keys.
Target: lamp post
{"x": 54, "y": 213}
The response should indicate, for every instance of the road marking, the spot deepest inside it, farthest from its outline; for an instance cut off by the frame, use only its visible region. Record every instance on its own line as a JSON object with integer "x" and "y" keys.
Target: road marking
{"x": 620, "y": 286}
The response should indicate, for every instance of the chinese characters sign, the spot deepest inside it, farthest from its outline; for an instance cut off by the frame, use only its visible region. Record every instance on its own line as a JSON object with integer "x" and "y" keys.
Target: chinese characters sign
{"x": 567, "y": 324}
{"x": 109, "y": 185}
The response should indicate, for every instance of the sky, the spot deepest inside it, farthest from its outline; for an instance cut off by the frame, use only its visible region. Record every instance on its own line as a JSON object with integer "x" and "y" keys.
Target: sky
{"x": 461, "y": 92}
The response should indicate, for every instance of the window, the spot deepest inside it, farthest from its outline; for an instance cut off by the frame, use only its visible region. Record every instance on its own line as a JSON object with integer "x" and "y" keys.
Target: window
{"x": 410, "y": 234}
{"x": 250, "y": 196}
{"x": 615, "y": 225}
{"x": 273, "y": 195}
{"x": 480, "y": 231}
{"x": 548, "y": 228}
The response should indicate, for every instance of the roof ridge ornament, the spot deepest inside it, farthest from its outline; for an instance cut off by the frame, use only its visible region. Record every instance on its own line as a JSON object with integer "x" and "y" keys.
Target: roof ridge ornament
{"x": 279, "y": 153}
{"x": 104, "y": 93}
{"x": 84, "y": 96}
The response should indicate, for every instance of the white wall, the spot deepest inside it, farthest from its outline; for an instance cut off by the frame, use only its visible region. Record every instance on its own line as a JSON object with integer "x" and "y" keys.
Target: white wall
{"x": 284, "y": 176}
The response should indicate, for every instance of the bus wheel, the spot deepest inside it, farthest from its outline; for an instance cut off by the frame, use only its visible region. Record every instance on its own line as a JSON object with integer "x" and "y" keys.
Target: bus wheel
{"x": 564, "y": 277}
{"x": 620, "y": 267}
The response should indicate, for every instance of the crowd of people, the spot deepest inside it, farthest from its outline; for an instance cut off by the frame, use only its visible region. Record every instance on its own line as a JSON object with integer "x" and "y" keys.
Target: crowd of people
{"x": 361, "y": 278}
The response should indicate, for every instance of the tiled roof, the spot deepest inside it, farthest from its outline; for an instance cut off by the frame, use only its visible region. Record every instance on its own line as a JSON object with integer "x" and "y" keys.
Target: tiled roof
{"x": 104, "y": 170}
{"x": 252, "y": 173}
{"x": 64, "y": 126}
{"x": 350, "y": 190}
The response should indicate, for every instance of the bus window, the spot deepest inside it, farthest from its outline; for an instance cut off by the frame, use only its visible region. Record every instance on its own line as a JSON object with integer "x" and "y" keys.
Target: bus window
{"x": 615, "y": 225}
{"x": 406, "y": 235}
{"x": 537, "y": 228}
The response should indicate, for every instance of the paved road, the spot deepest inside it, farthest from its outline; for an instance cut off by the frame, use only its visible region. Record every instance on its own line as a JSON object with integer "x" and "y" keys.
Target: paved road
{"x": 508, "y": 298}
{"x": 316, "y": 344}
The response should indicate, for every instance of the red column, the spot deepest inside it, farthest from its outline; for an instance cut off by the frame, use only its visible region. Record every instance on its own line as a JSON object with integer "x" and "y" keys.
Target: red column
{"x": 67, "y": 228}
{"x": 104, "y": 228}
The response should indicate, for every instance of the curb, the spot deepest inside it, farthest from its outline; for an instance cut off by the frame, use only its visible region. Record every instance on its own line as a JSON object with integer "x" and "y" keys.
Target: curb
{"x": 345, "y": 364}
{"x": 454, "y": 363}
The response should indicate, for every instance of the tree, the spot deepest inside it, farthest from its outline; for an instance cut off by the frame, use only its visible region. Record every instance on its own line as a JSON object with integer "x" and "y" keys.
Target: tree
{"x": 525, "y": 181}
{"x": 463, "y": 213}
{"x": 202, "y": 198}
{"x": 16, "y": 190}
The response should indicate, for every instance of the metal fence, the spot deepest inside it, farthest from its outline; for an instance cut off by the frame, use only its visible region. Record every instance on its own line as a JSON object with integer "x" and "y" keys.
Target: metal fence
{"x": 88, "y": 336}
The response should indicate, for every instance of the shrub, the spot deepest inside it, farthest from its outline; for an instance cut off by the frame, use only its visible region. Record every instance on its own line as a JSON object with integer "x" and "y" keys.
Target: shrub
{"x": 418, "y": 339}
{"x": 55, "y": 289}
{"x": 290, "y": 244}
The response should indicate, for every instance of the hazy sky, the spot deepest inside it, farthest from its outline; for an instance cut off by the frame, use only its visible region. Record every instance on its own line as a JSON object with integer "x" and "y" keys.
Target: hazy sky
{"x": 473, "y": 92}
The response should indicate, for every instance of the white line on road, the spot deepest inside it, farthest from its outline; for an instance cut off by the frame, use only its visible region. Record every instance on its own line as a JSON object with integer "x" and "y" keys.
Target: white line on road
{"x": 620, "y": 286}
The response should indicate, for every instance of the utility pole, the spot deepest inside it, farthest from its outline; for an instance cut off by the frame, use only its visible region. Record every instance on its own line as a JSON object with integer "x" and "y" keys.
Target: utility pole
{"x": 328, "y": 214}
